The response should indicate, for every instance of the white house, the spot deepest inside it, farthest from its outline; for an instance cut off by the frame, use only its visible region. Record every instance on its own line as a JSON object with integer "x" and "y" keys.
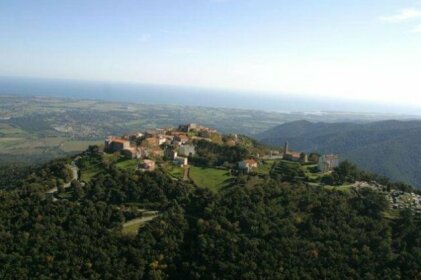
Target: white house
{"x": 328, "y": 162}
{"x": 247, "y": 164}
{"x": 187, "y": 150}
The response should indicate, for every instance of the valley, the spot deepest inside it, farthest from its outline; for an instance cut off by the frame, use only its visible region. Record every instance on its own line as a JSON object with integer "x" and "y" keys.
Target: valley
{"x": 37, "y": 129}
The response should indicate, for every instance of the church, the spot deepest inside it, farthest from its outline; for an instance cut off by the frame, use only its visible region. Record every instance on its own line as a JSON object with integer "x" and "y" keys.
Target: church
{"x": 294, "y": 156}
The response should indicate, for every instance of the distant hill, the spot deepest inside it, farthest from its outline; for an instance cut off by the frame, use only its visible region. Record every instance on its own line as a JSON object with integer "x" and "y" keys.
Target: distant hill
{"x": 391, "y": 148}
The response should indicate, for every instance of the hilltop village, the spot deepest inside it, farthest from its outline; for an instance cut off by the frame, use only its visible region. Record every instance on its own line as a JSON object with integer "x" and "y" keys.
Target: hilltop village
{"x": 169, "y": 144}
{"x": 203, "y": 156}
{"x": 178, "y": 145}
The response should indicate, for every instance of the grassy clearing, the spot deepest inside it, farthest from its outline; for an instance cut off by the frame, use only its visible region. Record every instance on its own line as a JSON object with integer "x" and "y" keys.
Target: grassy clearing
{"x": 111, "y": 157}
{"x": 127, "y": 164}
{"x": 132, "y": 227}
{"x": 211, "y": 178}
{"x": 311, "y": 175}
{"x": 265, "y": 168}
{"x": 174, "y": 171}
{"x": 290, "y": 163}
{"x": 89, "y": 173}
{"x": 90, "y": 169}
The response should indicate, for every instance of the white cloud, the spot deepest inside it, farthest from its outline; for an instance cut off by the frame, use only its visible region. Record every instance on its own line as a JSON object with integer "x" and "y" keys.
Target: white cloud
{"x": 403, "y": 15}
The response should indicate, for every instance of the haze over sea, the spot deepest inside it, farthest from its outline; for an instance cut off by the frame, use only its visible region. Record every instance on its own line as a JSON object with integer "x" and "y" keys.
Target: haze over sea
{"x": 189, "y": 96}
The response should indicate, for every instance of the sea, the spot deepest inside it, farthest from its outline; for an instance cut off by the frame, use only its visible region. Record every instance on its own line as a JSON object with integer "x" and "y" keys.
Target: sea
{"x": 188, "y": 96}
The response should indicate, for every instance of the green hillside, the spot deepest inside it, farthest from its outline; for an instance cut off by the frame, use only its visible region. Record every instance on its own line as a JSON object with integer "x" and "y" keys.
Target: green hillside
{"x": 390, "y": 148}
{"x": 126, "y": 224}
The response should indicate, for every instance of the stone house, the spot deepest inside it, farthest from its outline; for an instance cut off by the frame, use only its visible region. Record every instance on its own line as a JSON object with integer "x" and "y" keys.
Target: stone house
{"x": 116, "y": 144}
{"x": 187, "y": 150}
{"x": 248, "y": 164}
{"x": 294, "y": 156}
{"x": 328, "y": 162}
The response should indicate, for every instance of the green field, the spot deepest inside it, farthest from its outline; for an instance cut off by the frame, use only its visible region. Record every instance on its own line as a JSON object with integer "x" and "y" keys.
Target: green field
{"x": 93, "y": 167}
{"x": 90, "y": 168}
{"x": 111, "y": 157}
{"x": 211, "y": 178}
{"x": 27, "y": 148}
{"x": 174, "y": 171}
{"x": 127, "y": 163}
{"x": 265, "y": 167}
{"x": 310, "y": 175}
{"x": 77, "y": 146}
{"x": 89, "y": 173}
{"x": 132, "y": 227}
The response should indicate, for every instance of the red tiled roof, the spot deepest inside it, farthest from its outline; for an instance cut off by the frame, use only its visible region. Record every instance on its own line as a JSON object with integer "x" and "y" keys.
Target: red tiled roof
{"x": 250, "y": 161}
{"x": 295, "y": 154}
{"x": 119, "y": 140}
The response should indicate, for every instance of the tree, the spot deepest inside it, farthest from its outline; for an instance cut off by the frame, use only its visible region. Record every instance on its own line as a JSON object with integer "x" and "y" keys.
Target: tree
{"x": 327, "y": 180}
{"x": 313, "y": 157}
{"x": 346, "y": 172}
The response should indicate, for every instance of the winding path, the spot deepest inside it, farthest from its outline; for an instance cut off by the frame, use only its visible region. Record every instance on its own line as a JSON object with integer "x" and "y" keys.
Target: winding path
{"x": 75, "y": 176}
{"x": 186, "y": 176}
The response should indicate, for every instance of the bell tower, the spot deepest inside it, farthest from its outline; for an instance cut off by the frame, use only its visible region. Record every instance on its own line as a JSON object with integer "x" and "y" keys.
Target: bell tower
{"x": 286, "y": 151}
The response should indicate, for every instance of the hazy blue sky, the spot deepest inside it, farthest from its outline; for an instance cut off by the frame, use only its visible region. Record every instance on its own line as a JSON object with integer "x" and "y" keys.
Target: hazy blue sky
{"x": 362, "y": 49}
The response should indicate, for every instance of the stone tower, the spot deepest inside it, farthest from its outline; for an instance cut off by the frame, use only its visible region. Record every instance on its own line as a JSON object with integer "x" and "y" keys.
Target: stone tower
{"x": 286, "y": 151}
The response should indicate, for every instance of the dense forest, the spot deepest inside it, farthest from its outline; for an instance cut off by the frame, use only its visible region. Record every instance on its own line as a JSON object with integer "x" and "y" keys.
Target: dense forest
{"x": 276, "y": 229}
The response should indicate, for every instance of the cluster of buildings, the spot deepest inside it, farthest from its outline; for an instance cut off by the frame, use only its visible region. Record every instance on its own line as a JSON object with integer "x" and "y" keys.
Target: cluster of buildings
{"x": 172, "y": 144}
{"x": 325, "y": 163}
{"x": 294, "y": 156}
{"x": 201, "y": 131}
{"x": 177, "y": 145}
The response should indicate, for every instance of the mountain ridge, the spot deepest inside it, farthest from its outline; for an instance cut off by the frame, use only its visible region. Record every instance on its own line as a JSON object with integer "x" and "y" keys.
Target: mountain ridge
{"x": 385, "y": 147}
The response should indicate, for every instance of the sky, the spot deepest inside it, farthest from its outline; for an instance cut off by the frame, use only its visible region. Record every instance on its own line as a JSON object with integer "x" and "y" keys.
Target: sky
{"x": 358, "y": 50}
